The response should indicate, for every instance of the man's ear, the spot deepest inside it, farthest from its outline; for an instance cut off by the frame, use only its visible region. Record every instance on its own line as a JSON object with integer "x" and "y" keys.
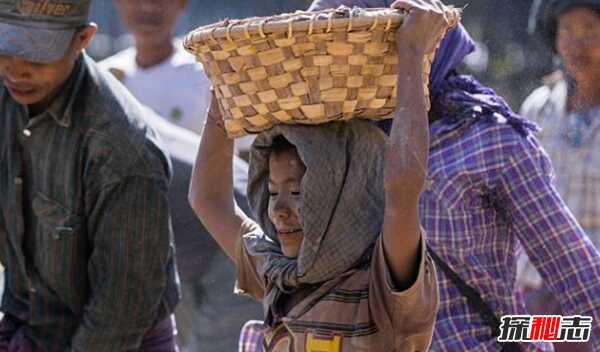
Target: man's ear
{"x": 83, "y": 37}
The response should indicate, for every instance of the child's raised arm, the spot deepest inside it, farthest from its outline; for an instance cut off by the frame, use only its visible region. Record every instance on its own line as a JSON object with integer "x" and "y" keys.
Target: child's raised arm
{"x": 211, "y": 187}
{"x": 408, "y": 148}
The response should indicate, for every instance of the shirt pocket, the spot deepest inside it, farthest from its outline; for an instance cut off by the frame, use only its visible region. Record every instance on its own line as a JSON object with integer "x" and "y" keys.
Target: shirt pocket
{"x": 456, "y": 192}
{"x": 467, "y": 200}
{"x": 61, "y": 251}
{"x": 55, "y": 220}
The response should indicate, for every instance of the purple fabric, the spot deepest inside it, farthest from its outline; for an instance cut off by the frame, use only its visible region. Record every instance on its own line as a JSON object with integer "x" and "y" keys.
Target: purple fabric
{"x": 251, "y": 337}
{"x": 453, "y": 49}
{"x": 463, "y": 97}
{"x": 12, "y": 336}
{"x": 489, "y": 196}
{"x": 455, "y": 97}
{"x": 160, "y": 339}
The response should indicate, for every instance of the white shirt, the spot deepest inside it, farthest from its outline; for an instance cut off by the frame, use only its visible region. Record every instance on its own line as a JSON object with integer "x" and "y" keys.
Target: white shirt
{"x": 176, "y": 89}
{"x": 574, "y": 148}
{"x": 575, "y": 159}
{"x": 177, "y": 93}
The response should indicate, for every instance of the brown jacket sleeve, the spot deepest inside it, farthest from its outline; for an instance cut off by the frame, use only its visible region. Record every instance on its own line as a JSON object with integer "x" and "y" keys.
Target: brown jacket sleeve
{"x": 407, "y": 316}
{"x": 248, "y": 281}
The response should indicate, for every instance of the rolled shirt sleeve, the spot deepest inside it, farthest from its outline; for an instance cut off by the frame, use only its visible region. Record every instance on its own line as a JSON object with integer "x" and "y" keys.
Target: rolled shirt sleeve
{"x": 409, "y": 314}
{"x": 248, "y": 281}
{"x": 555, "y": 243}
{"x": 129, "y": 267}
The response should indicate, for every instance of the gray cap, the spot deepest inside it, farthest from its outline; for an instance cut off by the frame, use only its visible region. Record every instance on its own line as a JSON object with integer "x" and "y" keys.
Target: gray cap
{"x": 40, "y": 30}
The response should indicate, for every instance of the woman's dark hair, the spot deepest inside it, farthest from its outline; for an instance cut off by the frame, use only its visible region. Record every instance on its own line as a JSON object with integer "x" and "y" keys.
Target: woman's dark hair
{"x": 544, "y": 14}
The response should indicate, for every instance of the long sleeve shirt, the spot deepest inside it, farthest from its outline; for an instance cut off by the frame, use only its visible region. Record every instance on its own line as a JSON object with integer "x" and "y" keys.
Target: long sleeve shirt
{"x": 572, "y": 140}
{"x": 84, "y": 218}
{"x": 490, "y": 195}
{"x": 360, "y": 310}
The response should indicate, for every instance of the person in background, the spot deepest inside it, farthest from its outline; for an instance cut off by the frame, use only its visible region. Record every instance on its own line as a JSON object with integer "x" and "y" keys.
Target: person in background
{"x": 85, "y": 231}
{"x": 167, "y": 79}
{"x": 489, "y": 195}
{"x": 157, "y": 70}
{"x": 567, "y": 107}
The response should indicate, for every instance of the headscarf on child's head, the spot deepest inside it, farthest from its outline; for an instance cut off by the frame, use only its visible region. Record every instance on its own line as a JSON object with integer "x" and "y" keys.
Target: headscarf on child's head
{"x": 342, "y": 204}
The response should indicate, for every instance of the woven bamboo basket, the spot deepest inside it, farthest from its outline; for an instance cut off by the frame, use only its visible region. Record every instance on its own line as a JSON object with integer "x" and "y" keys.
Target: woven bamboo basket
{"x": 303, "y": 68}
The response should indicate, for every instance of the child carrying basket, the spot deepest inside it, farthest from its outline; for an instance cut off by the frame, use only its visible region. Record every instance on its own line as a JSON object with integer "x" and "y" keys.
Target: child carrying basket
{"x": 336, "y": 254}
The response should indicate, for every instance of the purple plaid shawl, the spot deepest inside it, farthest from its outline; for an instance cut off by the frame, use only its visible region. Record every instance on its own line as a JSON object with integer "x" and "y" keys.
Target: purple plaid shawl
{"x": 456, "y": 97}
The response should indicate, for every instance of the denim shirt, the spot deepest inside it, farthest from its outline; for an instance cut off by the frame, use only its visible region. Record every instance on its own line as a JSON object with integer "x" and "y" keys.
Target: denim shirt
{"x": 85, "y": 233}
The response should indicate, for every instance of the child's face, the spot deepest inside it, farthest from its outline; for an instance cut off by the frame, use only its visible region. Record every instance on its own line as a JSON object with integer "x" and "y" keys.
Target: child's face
{"x": 285, "y": 175}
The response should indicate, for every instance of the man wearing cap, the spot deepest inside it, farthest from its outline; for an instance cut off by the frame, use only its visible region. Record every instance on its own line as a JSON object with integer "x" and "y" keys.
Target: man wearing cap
{"x": 84, "y": 216}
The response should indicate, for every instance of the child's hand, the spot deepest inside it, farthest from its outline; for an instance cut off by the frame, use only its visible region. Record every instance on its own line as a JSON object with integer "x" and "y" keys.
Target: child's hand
{"x": 214, "y": 116}
{"x": 423, "y": 28}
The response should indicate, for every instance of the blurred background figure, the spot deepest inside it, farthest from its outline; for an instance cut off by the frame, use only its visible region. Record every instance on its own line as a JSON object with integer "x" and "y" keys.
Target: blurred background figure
{"x": 567, "y": 107}
{"x": 157, "y": 70}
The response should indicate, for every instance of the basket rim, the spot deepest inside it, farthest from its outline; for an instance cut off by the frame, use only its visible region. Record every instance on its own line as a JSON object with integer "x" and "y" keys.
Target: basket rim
{"x": 252, "y": 37}
{"x": 355, "y": 18}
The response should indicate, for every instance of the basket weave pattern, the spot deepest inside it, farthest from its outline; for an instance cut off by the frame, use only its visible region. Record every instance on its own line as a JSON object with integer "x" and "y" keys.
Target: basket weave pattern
{"x": 305, "y": 67}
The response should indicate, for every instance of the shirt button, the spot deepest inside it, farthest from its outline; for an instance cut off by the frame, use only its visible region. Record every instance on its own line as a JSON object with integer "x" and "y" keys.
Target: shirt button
{"x": 63, "y": 231}
{"x": 428, "y": 183}
{"x": 27, "y": 132}
{"x": 30, "y": 287}
{"x": 18, "y": 181}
